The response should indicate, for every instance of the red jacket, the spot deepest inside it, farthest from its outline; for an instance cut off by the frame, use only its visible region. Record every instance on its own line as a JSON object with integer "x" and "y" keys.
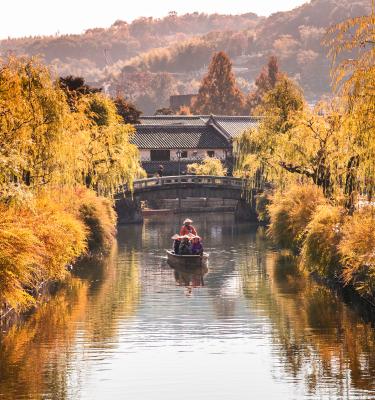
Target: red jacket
{"x": 185, "y": 230}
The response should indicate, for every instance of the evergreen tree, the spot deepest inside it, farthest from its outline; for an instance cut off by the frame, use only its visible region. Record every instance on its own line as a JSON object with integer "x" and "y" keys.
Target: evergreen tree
{"x": 219, "y": 93}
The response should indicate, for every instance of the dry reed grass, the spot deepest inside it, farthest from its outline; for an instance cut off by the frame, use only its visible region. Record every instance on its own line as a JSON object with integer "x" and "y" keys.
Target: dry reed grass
{"x": 290, "y": 212}
{"x": 39, "y": 238}
{"x": 319, "y": 250}
{"x": 357, "y": 250}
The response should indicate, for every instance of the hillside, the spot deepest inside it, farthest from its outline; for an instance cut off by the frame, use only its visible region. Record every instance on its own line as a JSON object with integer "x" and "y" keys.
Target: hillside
{"x": 150, "y": 59}
{"x": 122, "y": 40}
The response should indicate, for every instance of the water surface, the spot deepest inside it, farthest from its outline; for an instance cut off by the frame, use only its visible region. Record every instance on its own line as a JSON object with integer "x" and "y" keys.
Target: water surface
{"x": 133, "y": 328}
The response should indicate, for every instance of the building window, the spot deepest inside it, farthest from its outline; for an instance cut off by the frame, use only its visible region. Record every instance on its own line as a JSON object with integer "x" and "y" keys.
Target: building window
{"x": 160, "y": 155}
{"x": 211, "y": 153}
{"x": 184, "y": 154}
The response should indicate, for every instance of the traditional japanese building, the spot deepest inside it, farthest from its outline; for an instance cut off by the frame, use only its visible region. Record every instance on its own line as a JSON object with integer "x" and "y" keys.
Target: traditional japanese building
{"x": 175, "y": 141}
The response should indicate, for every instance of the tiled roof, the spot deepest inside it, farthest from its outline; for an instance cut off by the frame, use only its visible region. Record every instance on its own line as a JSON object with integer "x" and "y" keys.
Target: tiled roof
{"x": 174, "y": 120}
{"x": 234, "y": 126}
{"x": 178, "y": 137}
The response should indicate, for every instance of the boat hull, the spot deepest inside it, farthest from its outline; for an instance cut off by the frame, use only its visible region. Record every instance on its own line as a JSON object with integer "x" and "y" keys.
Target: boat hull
{"x": 188, "y": 261}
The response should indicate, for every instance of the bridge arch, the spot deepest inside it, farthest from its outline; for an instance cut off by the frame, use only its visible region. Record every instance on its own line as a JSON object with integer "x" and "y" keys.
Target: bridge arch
{"x": 128, "y": 204}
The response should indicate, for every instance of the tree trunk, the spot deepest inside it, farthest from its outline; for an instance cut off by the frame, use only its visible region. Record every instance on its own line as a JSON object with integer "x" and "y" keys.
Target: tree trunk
{"x": 351, "y": 184}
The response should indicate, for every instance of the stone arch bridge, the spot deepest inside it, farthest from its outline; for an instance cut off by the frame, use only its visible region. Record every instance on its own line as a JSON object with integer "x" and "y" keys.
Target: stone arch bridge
{"x": 128, "y": 204}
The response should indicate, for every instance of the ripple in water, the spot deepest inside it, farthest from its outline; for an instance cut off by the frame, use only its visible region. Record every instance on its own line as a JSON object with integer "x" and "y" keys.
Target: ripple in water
{"x": 133, "y": 328}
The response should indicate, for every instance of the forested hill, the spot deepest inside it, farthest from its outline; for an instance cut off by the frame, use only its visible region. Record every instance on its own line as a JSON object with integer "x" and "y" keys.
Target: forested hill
{"x": 124, "y": 40}
{"x": 150, "y": 59}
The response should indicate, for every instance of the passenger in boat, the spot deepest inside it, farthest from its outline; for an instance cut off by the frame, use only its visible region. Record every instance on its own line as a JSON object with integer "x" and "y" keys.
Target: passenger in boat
{"x": 196, "y": 247}
{"x": 185, "y": 247}
{"x": 176, "y": 246}
{"x": 176, "y": 243}
{"x": 187, "y": 228}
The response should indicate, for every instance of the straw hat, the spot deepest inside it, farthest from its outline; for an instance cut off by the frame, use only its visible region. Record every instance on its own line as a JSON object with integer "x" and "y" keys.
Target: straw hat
{"x": 187, "y": 220}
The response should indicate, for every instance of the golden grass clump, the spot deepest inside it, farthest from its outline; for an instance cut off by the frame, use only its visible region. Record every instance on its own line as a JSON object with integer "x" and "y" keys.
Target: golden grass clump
{"x": 357, "y": 250}
{"x": 99, "y": 216}
{"x": 37, "y": 242}
{"x": 290, "y": 212}
{"x": 41, "y": 236}
{"x": 63, "y": 235}
{"x": 20, "y": 253}
{"x": 319, "y": 250}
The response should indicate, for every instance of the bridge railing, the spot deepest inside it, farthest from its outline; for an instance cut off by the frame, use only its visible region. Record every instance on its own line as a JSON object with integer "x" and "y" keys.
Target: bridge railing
{"x": 190, "y": 179}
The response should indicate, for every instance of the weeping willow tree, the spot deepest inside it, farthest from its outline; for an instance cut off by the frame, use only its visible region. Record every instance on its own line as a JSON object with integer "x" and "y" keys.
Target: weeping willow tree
{"x": 262, "y": 151}
{"x": 332, "y": 145}
{"x": 294, "y": 143}
{"x": 110, "y": 159}
{"x": 33, "y": 124}
{"x": 354, "y": 82}
{"x": 44, "y": 143}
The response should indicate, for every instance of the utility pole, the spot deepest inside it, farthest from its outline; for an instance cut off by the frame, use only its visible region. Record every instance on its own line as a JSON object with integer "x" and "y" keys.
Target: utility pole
{"x": 179, "y": 153}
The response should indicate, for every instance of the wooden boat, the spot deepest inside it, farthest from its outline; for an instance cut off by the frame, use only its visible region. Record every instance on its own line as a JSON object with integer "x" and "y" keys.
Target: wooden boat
{"x": 176, "y": 260}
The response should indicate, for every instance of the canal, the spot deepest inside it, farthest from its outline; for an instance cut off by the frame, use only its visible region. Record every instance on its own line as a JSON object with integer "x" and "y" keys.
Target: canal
{"x": 133, "y": 328}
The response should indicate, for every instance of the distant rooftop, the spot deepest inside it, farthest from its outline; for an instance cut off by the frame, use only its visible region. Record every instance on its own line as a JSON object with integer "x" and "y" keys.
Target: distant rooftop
{"x": 175, "y": 137}
{"x": 234, "y": 125}
{"x": 174, "y": 120}
{"x": 191, "y": 131}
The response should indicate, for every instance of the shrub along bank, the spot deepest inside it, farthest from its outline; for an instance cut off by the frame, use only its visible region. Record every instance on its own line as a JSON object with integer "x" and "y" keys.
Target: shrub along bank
{"x": 40, "y": 237}
{"x": 330, "y": 242}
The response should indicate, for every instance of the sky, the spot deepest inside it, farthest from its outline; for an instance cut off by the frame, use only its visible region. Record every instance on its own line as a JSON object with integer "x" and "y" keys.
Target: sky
{"x": 44, "y": 17}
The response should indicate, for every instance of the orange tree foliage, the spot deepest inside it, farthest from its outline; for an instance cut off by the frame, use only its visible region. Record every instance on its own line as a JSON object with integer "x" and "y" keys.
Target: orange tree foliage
{"x": 265, "y": 82}
{"x": 219, "y": 93}
{"x": 127, "y": 110}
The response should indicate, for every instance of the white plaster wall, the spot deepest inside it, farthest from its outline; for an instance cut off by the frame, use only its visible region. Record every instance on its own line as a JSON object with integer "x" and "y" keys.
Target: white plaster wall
{"x": 145, "y": 155}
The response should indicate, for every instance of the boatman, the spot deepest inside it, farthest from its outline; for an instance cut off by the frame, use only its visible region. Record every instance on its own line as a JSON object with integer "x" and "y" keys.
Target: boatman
{"x": 187, "y": 228}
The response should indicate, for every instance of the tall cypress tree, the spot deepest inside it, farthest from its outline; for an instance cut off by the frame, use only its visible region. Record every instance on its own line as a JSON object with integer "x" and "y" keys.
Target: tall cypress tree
{"x": 219, "y": 93}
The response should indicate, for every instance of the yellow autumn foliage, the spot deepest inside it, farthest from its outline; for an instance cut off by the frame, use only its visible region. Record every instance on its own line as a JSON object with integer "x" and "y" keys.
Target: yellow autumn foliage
{"x": 290, "y": 213}
{"x": 55, "y": 162}
{"x": 357, "y": 250}
{"x": 319, "y": 252}
{"x": 37, "y": 240}
{"x": 40, "y": 237}
{"x": 209, "y": 166}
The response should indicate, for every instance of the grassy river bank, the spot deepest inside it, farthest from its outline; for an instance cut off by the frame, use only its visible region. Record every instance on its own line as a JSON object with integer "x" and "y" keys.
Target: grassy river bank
{"x": 333, "y": 246}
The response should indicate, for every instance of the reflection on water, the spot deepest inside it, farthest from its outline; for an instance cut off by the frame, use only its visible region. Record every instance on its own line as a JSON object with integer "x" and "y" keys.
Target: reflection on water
{"x": 248, "y": 327}
{"x": 190, "y": 278}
